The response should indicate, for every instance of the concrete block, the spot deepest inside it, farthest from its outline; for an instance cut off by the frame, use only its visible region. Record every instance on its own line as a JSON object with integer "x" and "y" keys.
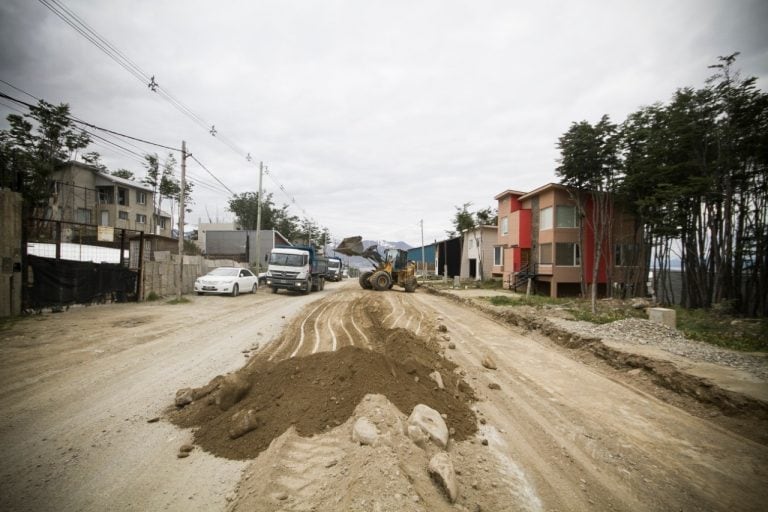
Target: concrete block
{"x": 663, "y": 316}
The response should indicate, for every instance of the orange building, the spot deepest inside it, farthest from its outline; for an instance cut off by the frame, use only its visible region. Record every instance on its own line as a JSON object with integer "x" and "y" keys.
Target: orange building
{"x": 540, "y": 238}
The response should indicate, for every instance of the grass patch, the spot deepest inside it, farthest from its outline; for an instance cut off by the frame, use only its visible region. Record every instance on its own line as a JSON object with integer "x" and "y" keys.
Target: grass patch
{"x": 177, "y": 300}
{"x": 151, "y": 297}
{"x": 724, "y": 330}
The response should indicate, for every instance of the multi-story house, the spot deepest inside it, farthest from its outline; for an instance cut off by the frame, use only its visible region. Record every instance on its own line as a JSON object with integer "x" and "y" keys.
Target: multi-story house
{"x": 540, "y": 238}
{"x": 83, "y": 193}
{"x": 477, "y": 252}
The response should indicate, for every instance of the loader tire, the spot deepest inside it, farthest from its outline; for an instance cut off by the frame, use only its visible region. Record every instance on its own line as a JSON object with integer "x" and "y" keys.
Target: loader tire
{"x": 410, "y": 285}
{"x": 364, "y": 283}
{"x": 381, "y": 281}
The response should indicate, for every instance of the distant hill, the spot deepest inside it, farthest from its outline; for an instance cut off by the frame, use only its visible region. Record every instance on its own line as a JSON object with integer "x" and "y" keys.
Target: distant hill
{"x": 357, "y": 261}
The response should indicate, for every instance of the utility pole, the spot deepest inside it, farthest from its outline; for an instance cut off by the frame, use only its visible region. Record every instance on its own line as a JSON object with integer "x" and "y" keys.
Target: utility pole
{"x": 179, "y": 285}
{"x": 423, "y": 259}
{"x": 258, "y": 221}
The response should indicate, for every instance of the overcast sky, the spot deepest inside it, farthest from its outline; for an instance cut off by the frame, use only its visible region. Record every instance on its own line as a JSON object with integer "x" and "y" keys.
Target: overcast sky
{"x": 371, "y": 115}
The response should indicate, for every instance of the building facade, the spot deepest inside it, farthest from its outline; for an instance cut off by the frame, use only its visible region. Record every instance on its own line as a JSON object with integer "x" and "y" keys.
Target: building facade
{"x": 84, "y": 194}
{"x": 477, "y": 252}
{"x": 540, "y": 238}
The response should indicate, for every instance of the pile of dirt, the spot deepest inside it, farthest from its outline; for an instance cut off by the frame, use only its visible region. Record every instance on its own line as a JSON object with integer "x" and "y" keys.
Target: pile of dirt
{"x": 318, "y": 392}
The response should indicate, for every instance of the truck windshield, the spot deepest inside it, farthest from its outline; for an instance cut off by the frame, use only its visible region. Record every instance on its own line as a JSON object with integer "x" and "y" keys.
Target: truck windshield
{"x": 333, "y": 264}
{"x": 287, "y": 260}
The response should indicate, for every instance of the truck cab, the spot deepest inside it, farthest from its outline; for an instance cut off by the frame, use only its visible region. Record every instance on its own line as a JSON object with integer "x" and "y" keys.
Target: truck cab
{"x": 334, "y": 269}
{"x": 295, "y": 268}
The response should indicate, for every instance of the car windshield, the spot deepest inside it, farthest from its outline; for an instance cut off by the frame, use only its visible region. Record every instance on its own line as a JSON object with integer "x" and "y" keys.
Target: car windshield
{"x": 224, "y": 272}
{"x": 287, "y": 260}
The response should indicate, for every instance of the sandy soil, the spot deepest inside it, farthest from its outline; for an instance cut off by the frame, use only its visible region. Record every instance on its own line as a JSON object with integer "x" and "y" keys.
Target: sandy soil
{"x": 78, "y": 388}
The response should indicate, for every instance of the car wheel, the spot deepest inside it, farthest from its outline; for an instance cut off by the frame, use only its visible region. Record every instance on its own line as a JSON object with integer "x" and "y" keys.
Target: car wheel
{"x": 199, "y": 293}
{"x": 255, "y": 288}
{"x": 235, "y": 290}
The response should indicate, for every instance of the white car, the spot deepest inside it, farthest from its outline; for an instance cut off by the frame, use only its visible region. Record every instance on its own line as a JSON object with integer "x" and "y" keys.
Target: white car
{"x": 231, "y": 280}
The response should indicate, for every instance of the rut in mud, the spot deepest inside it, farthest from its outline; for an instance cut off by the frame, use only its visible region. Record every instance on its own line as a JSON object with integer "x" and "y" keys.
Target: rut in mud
{"x": 314, "y": 375}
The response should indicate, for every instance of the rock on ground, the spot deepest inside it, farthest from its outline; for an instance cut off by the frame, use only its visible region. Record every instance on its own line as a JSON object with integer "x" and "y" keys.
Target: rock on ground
{"x": 430, "y": 421}
{"x": 364, "y": 432}
{"x": 441, "y": 470}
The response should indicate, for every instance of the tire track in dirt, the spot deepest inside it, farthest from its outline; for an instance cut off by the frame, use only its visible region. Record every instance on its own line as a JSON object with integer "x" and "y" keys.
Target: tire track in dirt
{"x": 344, "y": 318}
{"x": 576, "y": 429}
{"x": 301, "y": 461}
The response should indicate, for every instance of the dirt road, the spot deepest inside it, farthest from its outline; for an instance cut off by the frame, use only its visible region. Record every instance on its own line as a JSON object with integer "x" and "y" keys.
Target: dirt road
{"x": 77, "y": 390}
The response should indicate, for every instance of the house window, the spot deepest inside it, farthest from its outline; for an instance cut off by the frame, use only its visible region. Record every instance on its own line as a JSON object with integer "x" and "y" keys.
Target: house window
{"x": 122, "y": 215}
{"x": 545, "y": 254}
{"x": 141, "y": 197}
{"x": 567, "y": 255}
{"x": 625, "y": 255}
{"x": 122, "y": 196}
{"x": 545, "y": 218}
{"x": 83, "y": 215}
{"x": 505, "y": 225}
{"x": 141, "y": 218}
{"x": 498, "y": 256}
{"x": 105, "y": 195}
{"x": 161, "y": 222}
{"x": 566, "y": 217}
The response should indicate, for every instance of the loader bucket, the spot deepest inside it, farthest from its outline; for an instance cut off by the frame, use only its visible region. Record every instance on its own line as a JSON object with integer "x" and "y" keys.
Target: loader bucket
{"x": 352, "y": 246}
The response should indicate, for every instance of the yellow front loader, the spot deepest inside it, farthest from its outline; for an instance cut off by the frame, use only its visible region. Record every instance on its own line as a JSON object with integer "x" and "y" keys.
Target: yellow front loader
{"x": 391, "y": 269}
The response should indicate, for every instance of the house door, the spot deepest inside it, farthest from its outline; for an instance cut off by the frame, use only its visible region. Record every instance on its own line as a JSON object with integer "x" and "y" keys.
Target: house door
{"x": 525, "y": 258}
{"x": 104, "y": 218}
{"x": 473, "y": 268}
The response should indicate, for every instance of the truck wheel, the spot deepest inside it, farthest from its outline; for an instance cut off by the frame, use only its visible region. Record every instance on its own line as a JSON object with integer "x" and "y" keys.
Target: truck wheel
{"x": 364, "y": 283}
{"x": 322, "y": 284}
{"x": 308, "y": 288}
{"x": 274, "y": 289}
{"x": 381, "y": 281}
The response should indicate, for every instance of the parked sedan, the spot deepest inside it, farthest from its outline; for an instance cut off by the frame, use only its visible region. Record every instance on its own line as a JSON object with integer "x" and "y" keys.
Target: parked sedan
{"x": 231, "y": 280}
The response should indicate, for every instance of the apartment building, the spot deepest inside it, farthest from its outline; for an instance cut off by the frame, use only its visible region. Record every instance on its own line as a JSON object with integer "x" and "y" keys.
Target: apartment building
{"x": 83, "y": 193}
{"x": 540, "y": 238}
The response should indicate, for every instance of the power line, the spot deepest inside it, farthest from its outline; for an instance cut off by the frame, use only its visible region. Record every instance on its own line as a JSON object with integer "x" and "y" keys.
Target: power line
{"x": 89, "y": 33}
{"x": 212, "y": 175}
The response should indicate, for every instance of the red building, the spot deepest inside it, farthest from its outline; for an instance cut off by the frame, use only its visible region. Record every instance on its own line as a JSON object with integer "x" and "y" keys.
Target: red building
{"x": 540, "y": 238}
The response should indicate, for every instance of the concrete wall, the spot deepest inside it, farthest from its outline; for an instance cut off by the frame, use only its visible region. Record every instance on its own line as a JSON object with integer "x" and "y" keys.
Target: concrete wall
{"x": 162, "y": 277}
{"x": 10, "y": 253}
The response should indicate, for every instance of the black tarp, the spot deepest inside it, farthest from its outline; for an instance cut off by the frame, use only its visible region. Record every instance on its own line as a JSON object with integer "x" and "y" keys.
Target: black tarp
{"x": 449, "y": 253}
{"x": 62, "y": 282}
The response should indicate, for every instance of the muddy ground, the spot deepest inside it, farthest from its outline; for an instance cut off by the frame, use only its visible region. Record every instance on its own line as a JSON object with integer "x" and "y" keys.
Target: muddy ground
{"x": 90, "y": 423}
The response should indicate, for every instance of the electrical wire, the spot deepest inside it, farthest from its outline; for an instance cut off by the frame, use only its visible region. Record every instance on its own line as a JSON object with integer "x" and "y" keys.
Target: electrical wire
{"x": 89, "y": 33}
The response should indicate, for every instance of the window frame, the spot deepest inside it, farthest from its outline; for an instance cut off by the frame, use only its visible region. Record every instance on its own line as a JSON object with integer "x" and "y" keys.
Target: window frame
{"x": 505, "y": 225}
{"x": 546, "y": 214}
{"x": 575, "y": 254}
{"x": 141, "y": 218}
{"x": 141, "y": 197}
{"x": 498, "y": 256}
{"x": 558, "y": 218}
{"x": 541, "y": 254}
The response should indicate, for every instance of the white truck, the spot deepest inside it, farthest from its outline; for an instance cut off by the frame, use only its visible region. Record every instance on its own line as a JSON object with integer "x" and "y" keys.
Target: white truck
{"x": 296, "y": 268}
{"x": 334, "y": 269}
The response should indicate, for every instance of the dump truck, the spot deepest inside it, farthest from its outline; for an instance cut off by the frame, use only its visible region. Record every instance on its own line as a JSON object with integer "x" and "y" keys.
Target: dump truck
{"x": 297, "y": 268}
{"x": 334, "y": 269}
{"x": 391, "y": 268}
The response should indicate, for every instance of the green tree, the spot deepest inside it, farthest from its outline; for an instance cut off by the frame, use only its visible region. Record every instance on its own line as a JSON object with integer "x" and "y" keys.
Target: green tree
{"x": 124, "y": 173}
{"x": 696, "y": 173}
{"x": 589, "y": 167}
{"x": 35, "y": 144}
{"x": 245, "y": 208}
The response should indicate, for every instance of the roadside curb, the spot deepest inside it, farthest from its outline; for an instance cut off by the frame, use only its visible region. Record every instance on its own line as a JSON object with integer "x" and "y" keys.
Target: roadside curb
{"x": 664, "y": 373}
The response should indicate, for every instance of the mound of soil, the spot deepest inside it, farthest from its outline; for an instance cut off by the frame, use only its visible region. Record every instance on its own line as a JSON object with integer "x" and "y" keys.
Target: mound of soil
{"x": 319, "y": 392}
